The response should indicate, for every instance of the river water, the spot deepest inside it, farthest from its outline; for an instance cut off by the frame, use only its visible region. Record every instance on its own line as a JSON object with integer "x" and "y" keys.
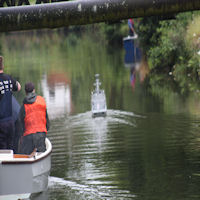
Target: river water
{"x": 146, "y": 148}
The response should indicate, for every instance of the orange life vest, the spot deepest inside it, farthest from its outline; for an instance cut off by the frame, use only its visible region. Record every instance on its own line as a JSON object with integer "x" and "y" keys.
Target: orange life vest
{"x": 35, "y": 116}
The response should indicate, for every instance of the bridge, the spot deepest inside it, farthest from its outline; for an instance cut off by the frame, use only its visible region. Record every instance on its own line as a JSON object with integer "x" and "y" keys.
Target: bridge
{"x": 81, "y": 12}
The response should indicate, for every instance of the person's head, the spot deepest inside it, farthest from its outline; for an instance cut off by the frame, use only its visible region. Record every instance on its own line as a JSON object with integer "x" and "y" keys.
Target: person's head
{"x": 29, "y": 87}
{"x": 1, "y": 63}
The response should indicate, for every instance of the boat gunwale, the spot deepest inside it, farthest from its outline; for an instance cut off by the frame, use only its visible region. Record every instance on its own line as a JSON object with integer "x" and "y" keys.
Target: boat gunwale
{"x": 30, "y": 160}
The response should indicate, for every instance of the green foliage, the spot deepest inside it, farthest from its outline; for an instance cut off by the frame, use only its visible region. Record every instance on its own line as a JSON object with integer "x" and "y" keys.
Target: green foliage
{"x": 172, "y": 48}
{"x": 193, "y": 34}
{"x": 114, "y": 33}
{"x": 146, "y": 30}
{"x": 165, "y": 53}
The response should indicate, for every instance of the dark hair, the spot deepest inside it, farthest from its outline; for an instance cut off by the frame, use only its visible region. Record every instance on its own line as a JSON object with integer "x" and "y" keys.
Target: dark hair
{"x": 29, "y": 87}
{"x": 1, "y": 62}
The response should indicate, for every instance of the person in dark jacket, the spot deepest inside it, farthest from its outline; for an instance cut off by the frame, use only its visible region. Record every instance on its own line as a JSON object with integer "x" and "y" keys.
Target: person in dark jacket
{"x": 7, "y": 128}
{"x": 34, "y": 121}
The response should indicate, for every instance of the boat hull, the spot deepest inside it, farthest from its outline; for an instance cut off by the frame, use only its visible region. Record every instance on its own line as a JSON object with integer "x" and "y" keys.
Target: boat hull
{"x": 98, "y": 104}
{"x": 25, "y": 175}
{"x": 101, "y": 113}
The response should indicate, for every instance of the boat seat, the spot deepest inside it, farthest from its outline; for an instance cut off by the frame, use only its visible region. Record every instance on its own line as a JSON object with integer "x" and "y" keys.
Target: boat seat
{"x": 21, "y": 156}
{"x": 33, "y": 154}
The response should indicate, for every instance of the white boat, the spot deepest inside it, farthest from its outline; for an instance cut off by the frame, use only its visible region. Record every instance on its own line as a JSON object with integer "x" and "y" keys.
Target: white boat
{"x": 23, "y": 175}
{"x": 98, "y": 100}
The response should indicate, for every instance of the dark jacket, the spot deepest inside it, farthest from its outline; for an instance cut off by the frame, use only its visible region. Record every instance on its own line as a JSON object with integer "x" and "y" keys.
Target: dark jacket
{"x": 7, "y": 85}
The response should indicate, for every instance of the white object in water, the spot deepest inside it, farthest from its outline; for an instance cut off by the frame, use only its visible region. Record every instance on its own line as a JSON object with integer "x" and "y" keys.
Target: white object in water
{"x": 98, "y": 100}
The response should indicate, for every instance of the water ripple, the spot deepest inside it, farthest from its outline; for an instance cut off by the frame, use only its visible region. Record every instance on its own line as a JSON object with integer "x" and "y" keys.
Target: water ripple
{"x": 81, "y": 190}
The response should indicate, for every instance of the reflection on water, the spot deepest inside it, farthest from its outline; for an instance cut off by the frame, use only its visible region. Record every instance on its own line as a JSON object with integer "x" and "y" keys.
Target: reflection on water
{"x": 89, "y": 147}
{"x": 133, "y": 60}
{"x": 115, "y": 157}
{"x": 133, "y": 53}
{"x": 56, "y": 88}
{"x": 94, "y": 130}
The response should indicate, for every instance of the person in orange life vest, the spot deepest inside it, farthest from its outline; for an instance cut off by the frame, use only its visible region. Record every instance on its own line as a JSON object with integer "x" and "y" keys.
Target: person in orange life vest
{"x": 34, "y": 120}
{"x": 7, "y": 128}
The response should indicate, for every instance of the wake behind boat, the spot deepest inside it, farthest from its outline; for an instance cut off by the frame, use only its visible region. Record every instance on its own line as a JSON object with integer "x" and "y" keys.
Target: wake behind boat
{"x": 98, "y": 100}
{"x": 22, "y": 175}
